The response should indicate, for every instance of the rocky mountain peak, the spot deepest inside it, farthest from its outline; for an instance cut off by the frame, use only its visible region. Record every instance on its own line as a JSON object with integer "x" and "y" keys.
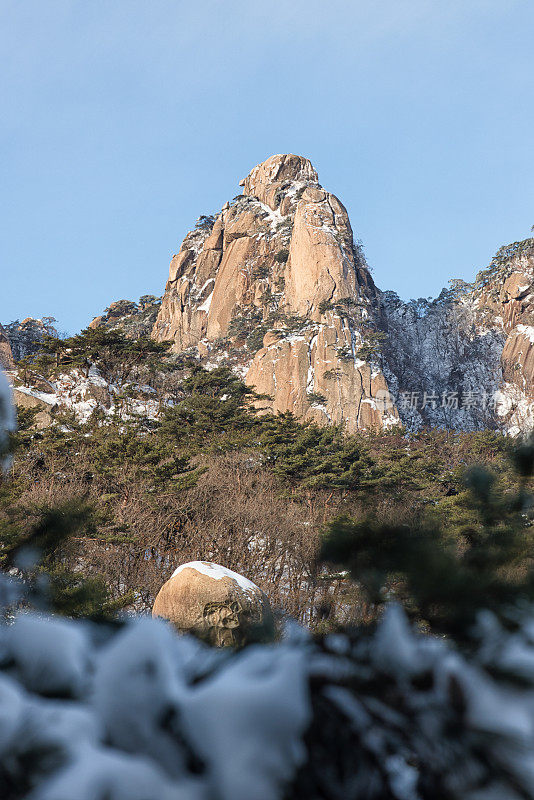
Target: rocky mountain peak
{"x": 466, "y": 359}
{"x": 274, "y": 286}
{"x": 267, "y": 180}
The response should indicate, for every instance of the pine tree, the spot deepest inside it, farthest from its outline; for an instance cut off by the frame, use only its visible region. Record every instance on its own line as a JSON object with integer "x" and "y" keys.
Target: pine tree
{"x": 446, "y": 573}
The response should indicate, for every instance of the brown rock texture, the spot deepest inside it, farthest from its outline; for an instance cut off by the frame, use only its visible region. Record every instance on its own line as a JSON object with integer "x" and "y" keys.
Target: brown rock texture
{"x": 216, "y": 604}
{"x": 45, "y": 411}
{"x": 518, "y": 358}
{"x": 510, "y": 296}
{"x": 6, "y": 356}
{"x": 275, "y": 287}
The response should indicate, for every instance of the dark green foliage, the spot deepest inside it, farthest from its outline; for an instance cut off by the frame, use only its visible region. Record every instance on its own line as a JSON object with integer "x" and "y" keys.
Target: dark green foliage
{"x": 115, "y": 355}
{"x": 346, "y": 302}
{"x": 446, "y": 569}
{"x": 242, "y": 326}
{"x": 312, "y": 456}
{"x": 458, "y": 288}
{"x": 154, "y": 459}
{"x": 215, "y": 404}
{"x": 325, "y": 305}
{"x": 25, "y": 432}
{"x": 206, "y": 221}
{"x": 255, "y": 338}
{"x": 290, "y": 323}
{"x": 315, "y": 397}
{"x": 330, "y": 374}
{"x": 501, "y": 264}
{"x": 37, "y": 540}
{"x": 261, "y": 271}
{"x": 282, "y": 255}
{"x": 344, "y": 353}
{"x": 372, "y": 344}
{"x": 149, "y": 300}
{"x": 342, "y": 305}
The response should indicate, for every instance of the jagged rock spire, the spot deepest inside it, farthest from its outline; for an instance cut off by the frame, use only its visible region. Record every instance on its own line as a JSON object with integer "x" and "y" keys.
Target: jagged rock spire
{"x": 274, "y": 287}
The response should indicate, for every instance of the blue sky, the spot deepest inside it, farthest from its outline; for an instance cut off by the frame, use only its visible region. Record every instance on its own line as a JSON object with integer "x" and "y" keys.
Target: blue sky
{"x": 124, "y": 120}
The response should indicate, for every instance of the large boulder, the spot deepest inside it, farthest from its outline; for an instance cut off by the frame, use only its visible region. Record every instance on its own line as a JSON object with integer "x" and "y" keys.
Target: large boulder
{"x": 216, "y": 604}
{"x": 45, "y": 408}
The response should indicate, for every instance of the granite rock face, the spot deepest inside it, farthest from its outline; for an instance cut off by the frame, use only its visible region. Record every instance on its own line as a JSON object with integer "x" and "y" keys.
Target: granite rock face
{"x": 6, "y": 354}
{"x": 510, "y": 295}
{"x": 466, "y": 359}
{"x": 275, "y": 286}
{"x": 45, "y": 410}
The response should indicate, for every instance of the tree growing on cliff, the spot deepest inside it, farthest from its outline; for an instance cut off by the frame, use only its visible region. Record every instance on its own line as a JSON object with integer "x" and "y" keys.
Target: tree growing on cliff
{"x": 115, "y": 355}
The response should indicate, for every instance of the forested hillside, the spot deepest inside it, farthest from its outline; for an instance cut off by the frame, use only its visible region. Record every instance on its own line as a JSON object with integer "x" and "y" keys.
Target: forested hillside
{"x": 202, "y": 471}
{"x": 95, "y": 514}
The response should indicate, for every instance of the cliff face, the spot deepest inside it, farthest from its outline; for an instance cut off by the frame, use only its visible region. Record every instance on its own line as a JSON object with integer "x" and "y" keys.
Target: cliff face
{"x": 6, "y": 354}
{"x": 507, "y": 289}
{"x": 275, "y": 287}
{"x": 21, "y": 339}
{"x": 471, "y": 349}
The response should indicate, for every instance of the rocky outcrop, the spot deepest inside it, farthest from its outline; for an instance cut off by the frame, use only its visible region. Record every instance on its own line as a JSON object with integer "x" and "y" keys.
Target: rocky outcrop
{"x": 275, "y": 286}
{"x": 6, "y": 355}
{"x": 133, "y": 319}
{"x": 507, "y": 289}
{"x": 44, "y": 408}
{"x": 216, "y": 604}
{"x": 25, "y": 337}
{"x": 466, "y": 359}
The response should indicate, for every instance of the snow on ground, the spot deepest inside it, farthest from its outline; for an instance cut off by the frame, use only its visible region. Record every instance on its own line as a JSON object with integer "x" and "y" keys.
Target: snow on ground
{"x": 274, "y": 216}
{"x": 515, "y": 408}
{"x": 83, "y": 394}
